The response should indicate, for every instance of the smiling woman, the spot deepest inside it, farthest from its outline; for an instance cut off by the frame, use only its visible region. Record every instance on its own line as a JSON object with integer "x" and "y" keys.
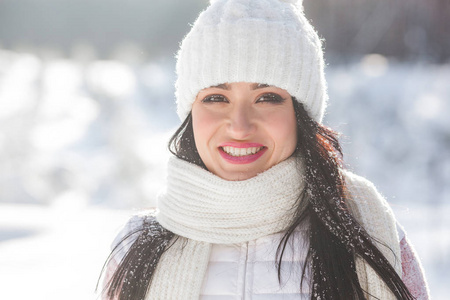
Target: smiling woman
{"x": 258, "y": 204}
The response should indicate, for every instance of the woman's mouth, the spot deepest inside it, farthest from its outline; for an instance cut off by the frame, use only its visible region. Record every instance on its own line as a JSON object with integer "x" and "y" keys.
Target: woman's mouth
{"x": 241, "y": 151}
{"x": 243, "y": 154}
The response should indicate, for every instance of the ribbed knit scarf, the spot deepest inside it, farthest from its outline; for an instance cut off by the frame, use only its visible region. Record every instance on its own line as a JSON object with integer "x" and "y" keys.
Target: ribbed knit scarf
{"x": 201, "y": 209}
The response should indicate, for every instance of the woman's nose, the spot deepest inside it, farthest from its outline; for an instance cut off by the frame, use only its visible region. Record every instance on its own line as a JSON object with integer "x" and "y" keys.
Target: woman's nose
{"x": 241, "y": 122}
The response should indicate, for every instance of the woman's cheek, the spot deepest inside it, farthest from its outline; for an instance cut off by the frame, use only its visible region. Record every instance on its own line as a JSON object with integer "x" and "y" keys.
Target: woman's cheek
{"x": 283, "y": 128}
{"x": 204, "y": 124}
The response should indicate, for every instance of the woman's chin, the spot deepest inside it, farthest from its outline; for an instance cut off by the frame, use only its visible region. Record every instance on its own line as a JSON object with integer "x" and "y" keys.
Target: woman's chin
{"x": 233, "y": 172}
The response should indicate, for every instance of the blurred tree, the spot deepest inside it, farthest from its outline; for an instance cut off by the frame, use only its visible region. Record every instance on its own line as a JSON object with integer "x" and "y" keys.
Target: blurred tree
{"x": 405, "y": 29}
{"x": 155, "y": 26}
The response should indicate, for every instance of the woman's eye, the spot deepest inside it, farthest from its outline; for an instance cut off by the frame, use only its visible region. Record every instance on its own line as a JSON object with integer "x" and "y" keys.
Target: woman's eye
{"x": 214, "y": 98}
{"x": 272, "y": 98}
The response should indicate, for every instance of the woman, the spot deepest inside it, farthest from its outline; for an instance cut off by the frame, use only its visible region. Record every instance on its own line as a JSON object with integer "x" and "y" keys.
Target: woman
{"x": 258, "y": 205}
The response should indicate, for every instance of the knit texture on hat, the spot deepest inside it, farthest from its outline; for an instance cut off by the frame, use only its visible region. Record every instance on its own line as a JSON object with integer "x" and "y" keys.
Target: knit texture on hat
{"x": 262, "y": 41}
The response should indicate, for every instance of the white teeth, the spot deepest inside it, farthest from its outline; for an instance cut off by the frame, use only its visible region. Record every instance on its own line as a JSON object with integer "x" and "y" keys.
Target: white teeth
{"x": 241, "y": 151}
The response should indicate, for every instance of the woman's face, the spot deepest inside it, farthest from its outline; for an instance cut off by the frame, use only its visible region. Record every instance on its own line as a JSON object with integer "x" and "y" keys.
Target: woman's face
{"x": 242, "y": 129}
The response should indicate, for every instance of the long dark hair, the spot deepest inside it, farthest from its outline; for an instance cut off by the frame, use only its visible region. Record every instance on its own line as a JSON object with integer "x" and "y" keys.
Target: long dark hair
{"x": 335, "y": 237}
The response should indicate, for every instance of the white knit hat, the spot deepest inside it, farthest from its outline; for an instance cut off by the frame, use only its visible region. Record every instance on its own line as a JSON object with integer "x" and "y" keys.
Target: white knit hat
{"x": 262, "y": 41}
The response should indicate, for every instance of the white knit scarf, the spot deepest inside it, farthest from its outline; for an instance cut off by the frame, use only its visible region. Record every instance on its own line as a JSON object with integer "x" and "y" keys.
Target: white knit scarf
{"x": 201, "y": 209}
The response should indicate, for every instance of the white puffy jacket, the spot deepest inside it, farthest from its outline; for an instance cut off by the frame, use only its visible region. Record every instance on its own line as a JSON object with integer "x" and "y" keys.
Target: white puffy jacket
{"x": 248, "y": 270}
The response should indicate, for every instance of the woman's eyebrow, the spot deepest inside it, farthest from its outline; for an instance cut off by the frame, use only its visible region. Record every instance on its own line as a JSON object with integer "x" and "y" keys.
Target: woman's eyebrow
{"x": 222, "y": 86}
{"x": 256, "y": 86}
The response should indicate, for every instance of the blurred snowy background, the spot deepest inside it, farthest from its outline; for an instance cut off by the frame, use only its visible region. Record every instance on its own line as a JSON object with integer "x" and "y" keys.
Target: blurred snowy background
{"x": 87, "y": 107}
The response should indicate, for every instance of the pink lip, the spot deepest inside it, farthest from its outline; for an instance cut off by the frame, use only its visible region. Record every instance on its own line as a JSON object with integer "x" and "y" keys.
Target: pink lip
{"x": 241, "y": 145}
{"x": 241, "y": 159}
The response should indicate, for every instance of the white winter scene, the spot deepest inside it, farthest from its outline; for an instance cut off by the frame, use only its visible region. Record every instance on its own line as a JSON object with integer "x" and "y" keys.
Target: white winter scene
{"x": 83, "y": 145}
